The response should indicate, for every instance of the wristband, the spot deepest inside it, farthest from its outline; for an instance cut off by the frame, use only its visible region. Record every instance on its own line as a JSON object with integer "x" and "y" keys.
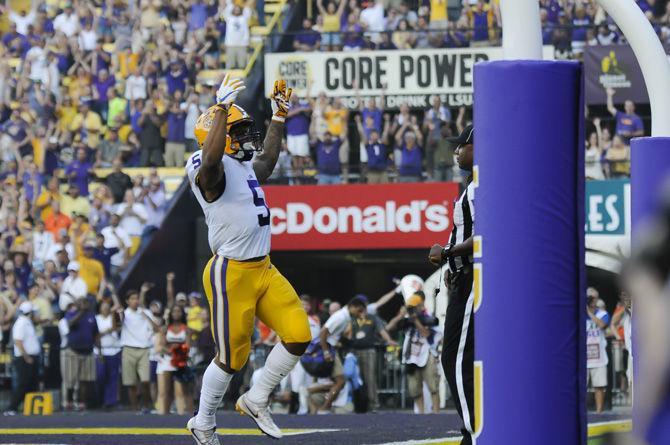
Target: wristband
{"x": 278, "y": 118}
{"x": 446, "y": 251}
{"x": 223, "y": 107}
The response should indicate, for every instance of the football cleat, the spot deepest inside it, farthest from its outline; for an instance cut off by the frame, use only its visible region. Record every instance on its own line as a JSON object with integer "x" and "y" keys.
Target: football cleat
{"x": 202, "y": 437}
{"x": 260, "y": 414}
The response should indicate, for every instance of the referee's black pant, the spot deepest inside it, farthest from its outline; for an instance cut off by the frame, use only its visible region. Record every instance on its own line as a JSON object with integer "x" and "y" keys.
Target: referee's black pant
{"x": 458, "y": 348}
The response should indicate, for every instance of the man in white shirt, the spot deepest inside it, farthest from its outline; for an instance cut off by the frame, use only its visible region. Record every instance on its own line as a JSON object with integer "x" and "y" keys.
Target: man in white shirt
{"x": 596, "y": 355}
{"x": 37, "y": 56}
{"x": 137, "y": 329}
{"x": 154, "y": 202}
{"x": 110, "y": 356}
{"x": 67, "y": 22}
{"x": 23, "y": 18}
{"x": 338, "y": 324}
{"x": 42, "y": 242}
{"x": 26, "y": 354}
{"x": 117, "y": 237}
{"x": 133, "y": 215}
{"x": 373, "y": 17}
{"x": 237, "y": 35}
{"x": 73, "y": 287}
{"x": 136, "y": 86}
{"x": 193, "y": 110}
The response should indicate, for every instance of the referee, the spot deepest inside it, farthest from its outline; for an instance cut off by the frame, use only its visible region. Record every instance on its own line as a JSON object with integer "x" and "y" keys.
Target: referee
{"x": 458, "y": 346}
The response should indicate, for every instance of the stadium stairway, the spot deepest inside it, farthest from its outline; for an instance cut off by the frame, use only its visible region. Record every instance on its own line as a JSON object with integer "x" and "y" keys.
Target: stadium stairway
{"x": 169, "y": 249}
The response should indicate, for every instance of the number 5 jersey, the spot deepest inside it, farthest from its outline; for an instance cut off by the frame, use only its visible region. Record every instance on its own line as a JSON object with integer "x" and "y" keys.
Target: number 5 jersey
{"x": 238, "y": 221}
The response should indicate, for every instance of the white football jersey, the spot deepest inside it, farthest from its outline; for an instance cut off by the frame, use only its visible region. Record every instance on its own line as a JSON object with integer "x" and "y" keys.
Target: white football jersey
{"x": 238, "y": 222}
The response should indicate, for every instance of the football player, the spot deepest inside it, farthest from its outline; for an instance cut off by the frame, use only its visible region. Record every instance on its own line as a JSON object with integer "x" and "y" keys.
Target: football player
{"x": 240, "y": 281}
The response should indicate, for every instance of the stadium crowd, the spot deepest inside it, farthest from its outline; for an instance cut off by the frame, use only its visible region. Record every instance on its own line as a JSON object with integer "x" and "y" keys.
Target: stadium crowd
{"x": 119, "y": 79}
{"x": 568, "y": 25}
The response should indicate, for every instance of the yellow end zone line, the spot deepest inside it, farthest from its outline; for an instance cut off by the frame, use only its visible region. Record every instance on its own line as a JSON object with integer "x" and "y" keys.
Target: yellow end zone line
{"x": 595, "y": 430}
{"x": 150, "y": 431}
{"x": 616, "y": 426}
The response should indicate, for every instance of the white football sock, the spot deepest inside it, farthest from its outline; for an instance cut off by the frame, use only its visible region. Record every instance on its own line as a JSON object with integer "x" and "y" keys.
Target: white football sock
{"x": 214, "y": 385}
{"x": 277, "y": 366}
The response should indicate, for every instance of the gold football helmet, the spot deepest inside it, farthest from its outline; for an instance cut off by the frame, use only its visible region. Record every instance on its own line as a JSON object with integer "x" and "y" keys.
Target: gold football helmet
{"x": 242, "y": 138}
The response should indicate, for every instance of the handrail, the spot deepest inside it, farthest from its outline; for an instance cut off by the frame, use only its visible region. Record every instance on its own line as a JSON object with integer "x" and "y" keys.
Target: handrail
{"x": 270, "y": 26}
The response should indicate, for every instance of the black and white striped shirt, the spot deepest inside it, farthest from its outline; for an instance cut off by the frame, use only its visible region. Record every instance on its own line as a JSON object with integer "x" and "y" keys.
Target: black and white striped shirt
{"x": 464, "y": 218}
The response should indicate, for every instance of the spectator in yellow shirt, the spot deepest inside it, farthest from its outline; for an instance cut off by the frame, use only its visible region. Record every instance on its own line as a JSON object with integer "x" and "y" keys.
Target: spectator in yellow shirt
{"x": 438, "y": 14}
{"x": 336, "y": 119}
{"x": 73, "y": 202}
{"x": 89, "y": 122}
{"x": 66, "y": 113}
{"x": 90, "y": 269}
{"x": 47, "y": 197}
{"x": 193, "y": 315}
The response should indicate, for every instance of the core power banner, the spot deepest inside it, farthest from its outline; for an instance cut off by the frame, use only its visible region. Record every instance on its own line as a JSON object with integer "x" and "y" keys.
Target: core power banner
{"x": 403, "y": 76}
{"x": 390, "y": 216}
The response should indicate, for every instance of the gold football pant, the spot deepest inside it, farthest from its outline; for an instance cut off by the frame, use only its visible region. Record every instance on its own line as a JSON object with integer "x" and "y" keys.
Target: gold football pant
{"x": 237, "y": 292}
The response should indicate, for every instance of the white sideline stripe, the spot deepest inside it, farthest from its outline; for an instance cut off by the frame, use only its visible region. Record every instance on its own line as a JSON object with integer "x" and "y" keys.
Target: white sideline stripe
{"x": 312, "y": 431}
{"x": 610, "y": 422}
{"x": 459, "y": 362}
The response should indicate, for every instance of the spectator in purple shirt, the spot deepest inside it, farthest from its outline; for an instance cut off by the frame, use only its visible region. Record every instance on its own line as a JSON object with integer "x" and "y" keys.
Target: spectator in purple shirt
{"x": 375, "y": 157}
{"x": 297, "y": 133}
{"x": 15, "y": 42}
{"x": 307, "y": 39}
{"x": 371, "y": 114}
{"x": 32, "y": 182}
{"x": 198, "y": 16}
{"x": 101, "y": 84}
{"x": 17, "y": 129}
{"x": 628, "y": 124}
{"x": 78, "y": 357}
{"x": 328, "y": 160}
{"x": 553, "y": 8}
{"x": 410, "y": 139}
{"x": 104, "y": 254}
{"x": 454, "y": 38}
{"x": 352, "y": 41}
{"x": 175, "y": 145}
{"x": 79, "y": 171}
{"x": 385, "y": 42}
{"x": 176, "y": 77}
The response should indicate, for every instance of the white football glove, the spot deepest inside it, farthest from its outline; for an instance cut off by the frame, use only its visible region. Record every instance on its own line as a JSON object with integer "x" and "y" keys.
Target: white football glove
{"x": 280, "y": 99}
{"x": 228, "y": 91}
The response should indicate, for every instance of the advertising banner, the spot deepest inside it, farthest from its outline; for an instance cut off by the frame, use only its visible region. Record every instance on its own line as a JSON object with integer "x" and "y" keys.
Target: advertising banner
{"x": 402, "y": 76}
{"x": 614, "y": 66}
{"x": 607, "y": 223}
{"x": 351, "y": 217}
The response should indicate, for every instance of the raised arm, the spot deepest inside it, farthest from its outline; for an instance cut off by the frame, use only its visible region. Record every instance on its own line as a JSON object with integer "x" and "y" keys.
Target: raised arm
{"x": 361, "y": 131}
{"x": 400, "y": 133}
{"x": 610, "y": 102}
{"x": 319, "y": 6}
{"x": 210, "y": 177}
{"x": 340, "y": 7}
{"x": 265, "y": 162}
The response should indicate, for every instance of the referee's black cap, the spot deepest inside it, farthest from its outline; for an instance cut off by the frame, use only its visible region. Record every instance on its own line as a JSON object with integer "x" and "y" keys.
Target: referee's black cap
{"x": 466, "y": 137}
